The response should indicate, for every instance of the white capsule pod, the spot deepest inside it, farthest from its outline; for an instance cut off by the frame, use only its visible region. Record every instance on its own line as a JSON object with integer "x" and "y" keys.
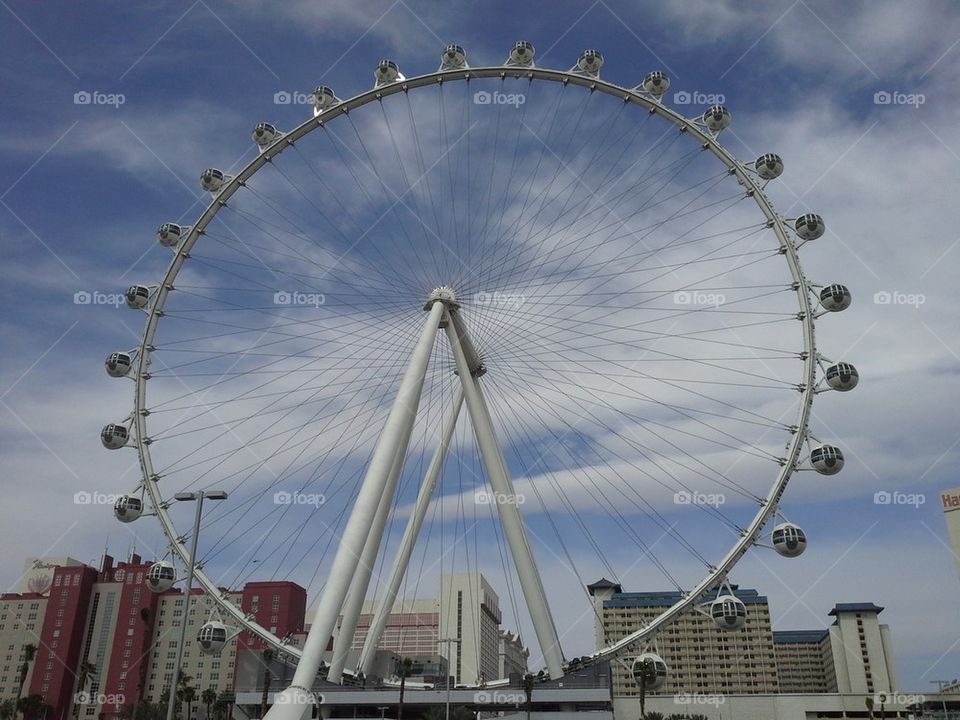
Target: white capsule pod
{"x": 118, "y": 364}
{"x": 212, "y": 637}
{"x": 717, "y": 118}
{"x": 589, "y": 63}
{"x": 128, "y": 508}
{"x": 453, "y": 58}
{"x": 114, "y": 436}
{"x": 264, "y": 134}
{"x": 728, "y": 612}
{"x": 137, "y": 296}
{"x": 650, "y": 669}
{"x": 170, "y": 234}
{"x": 769, "y": 166}
{"x": 212, "y": 180}
{"x": 835, "y": 298}
{"x": 842, "y": 376}
{"x": 656, "y": 83}
{"x": 323, "y": 99}
{"x": 161, "y": 576}
{"x": 826, "y": 459}
{"x": 789, "y": 540}
{"x": 810, "y": 226}
{"x": 387, "y": 72}
{"x": 522, "y": 54}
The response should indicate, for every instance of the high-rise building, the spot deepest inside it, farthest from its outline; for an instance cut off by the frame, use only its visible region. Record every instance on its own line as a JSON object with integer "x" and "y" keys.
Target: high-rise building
{"x": 64, "y": 637}
{"x": 470, "y": 613}
{"x": 513, "y": 655}
{"x": 411, "y": 629}
{"x": 108, "y": 622}
{"x": 466, "y": 612}
{"x": 703, "y": 659}
{"x": 804, "y": 661}
{"x": 950, "y": 502}
{"x": 861, "y": 649}
{"x": 21, "y": 617}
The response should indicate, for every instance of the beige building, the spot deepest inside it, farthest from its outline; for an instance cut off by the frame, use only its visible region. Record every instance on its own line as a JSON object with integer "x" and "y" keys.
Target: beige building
{"x": 804, "y": 661}
{"x": 703, "y": 659}
{"x": 206, "y": 671}
{"x": 512, "y": 656}
{"x": 21, "y": 618}
{"x": 470, "y": 613}
{"x": 861, "y": 650}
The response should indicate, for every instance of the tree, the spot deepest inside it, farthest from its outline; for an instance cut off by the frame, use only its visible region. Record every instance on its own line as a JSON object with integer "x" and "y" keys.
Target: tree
{"x": 8, "y": 709}
{"x": 29, "y": 652}
{"x": 645, "y": 673}
{"x": 267, "y": 680}
{"x": 86, "y": 670}
{"x": 406, "y": 666}
{"x": 208, "y": 697}
{"x": 31, "y": 706}
{"x": 528, "y": 691}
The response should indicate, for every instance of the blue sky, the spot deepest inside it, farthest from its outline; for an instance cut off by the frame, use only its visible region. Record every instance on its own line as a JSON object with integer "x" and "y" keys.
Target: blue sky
{"x": 84, "y": 185}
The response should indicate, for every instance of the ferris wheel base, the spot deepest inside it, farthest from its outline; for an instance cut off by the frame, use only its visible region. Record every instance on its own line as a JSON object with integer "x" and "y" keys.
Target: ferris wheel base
{"x": 294, "y": 703}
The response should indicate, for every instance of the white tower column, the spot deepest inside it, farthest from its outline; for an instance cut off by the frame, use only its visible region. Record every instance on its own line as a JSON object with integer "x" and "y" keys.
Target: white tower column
{"x": 510, "y": 519}
{"x": 410, "y": 534}
{"x": 295, "y": 702}
{"x": 361, "y": 578}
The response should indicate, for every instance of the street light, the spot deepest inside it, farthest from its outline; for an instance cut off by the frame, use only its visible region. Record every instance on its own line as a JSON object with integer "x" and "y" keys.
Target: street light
{"x": 198, "y": 497}
{"x": 941, "y": 684}
{"x": 448, "y": 641}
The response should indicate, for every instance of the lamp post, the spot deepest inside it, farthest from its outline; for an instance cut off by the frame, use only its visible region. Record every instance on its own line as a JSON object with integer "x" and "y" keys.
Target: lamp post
{"x": 197, "y": 497}
{"x": 941, "y": 684}
{"x": 449, "y": 641}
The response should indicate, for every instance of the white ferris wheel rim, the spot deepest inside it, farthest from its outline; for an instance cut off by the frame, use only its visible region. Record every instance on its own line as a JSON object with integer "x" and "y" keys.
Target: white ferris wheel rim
{"x": 769, "y": 507}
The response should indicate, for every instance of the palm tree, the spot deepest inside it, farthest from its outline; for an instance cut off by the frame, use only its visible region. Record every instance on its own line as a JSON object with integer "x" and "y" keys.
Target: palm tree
{"x": 8, "y": 709}
{"x": 406, "y": 665}
{"x": 86, "y": 670}
{"x": 29, "y": 652}
{"x": 30, "y": 706}
{"x": 645, "y": 675}
{"x": 528, "y": 690}
{"x": 267, "y": 680}
{"x": 208, "y": 697}
{"x": 188, "y": 694}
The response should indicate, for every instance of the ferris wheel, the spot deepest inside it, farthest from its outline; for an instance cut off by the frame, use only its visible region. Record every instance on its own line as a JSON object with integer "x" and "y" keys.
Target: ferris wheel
{"x": 503, "y": 314}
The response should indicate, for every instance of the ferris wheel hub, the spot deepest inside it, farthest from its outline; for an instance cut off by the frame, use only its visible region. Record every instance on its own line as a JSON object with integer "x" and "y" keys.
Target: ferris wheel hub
{"x": 444, "y": 294}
